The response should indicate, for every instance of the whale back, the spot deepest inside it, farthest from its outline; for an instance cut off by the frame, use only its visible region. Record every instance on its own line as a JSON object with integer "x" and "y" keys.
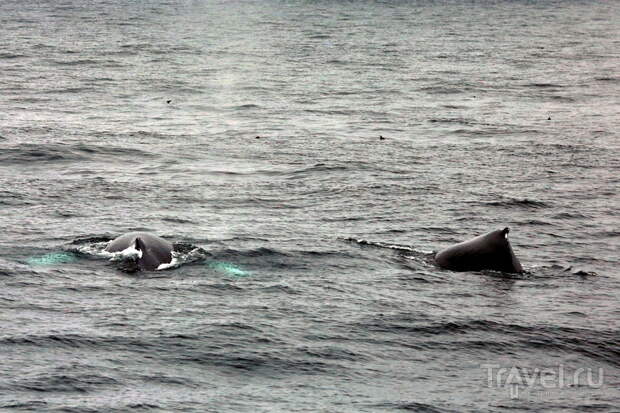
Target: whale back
{"x": 155, "y": 250}
{"x": 491, "y": 251}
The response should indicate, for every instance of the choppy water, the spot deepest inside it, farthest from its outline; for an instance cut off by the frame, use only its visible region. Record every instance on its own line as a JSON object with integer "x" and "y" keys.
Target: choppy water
{"x": 494, "y": 113}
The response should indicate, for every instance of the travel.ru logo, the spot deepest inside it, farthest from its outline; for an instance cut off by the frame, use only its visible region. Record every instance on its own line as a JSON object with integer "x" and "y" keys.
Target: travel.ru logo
{"x": 547, "y": 378}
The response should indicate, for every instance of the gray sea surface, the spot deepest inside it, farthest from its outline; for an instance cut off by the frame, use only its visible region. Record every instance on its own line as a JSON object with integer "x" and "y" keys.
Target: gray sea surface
{"x": 249, "y": 134}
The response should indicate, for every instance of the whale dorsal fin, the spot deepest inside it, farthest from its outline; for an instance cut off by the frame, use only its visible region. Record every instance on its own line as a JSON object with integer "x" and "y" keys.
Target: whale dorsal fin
{"x": 491, "y": 251}
{"x": 139, "y": 244}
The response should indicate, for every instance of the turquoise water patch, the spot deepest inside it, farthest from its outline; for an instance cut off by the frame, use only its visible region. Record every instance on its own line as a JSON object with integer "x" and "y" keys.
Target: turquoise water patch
{"x": 52, "y": 258}
{"x": 228, "y": 268}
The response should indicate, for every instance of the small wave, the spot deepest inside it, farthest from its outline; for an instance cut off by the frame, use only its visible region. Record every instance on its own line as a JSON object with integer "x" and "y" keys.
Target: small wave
{"x": 398, "y": 325}
{"x": 258, "y": 361}
{"x": 64, "y": 383}
{"x": 569, "y": 215}
{"x": 30, "y": 99}
{"x": 228, "y": 288}
{"x": 338, "y": 62}
{"x": 442, "y": 90}
{"x": 543, "y": 85}
{"x": 165, "y": 380}
{"x": 113, "y": 151}
{"x": 9, "y": 268}
{"x": 576, "y": 314}
{"x": 280, "y": 288}
{"x": 611, "y": 233}
{"x": 607, "y": 79}
{"x": 13, "y": 198}
{"x": 333, "y": 353}
{"x": 7, "y": 55}
{"x": 69, "y": 90}
{"x": 27, "y": 153}
{"x": 177, "y": 220}
{"x": 319, "y": 36}
{"x": 563, "y": 98}
{"x": 518, "y": 203}
{"x": 323, "y": 167}
{"x": 411, "y": 406}
{"x": 460, "y": 121}
{"x": 561, "y": 147}
{"x": 39, "y": 153}
{"x": 76, "y": 62}
{"x": 603, "y": 346}
{"x": 148, "y": 135}
{"x": 35, "y": 405}
{"x": 343, "y": 112}
{"x": 537, "y": 222}
{"x": 246, "y": 107}
{"x": 143, "y": 406}
{"x": 52, "y": 340}
{"x": 345, "y": 93}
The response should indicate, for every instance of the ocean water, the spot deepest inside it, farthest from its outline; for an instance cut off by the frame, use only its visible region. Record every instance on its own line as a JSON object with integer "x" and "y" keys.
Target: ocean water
{"x": 248, "y": 133}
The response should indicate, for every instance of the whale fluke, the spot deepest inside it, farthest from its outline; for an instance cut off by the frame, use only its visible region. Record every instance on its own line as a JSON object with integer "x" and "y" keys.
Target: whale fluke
{"x": 154, "y": 250}
{"x": 491, "y": 251}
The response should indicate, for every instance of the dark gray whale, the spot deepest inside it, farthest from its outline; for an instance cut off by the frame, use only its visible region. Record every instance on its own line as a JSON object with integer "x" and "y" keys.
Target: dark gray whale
{"x": 155, "y": 250}
{"x": 490, "y": 251}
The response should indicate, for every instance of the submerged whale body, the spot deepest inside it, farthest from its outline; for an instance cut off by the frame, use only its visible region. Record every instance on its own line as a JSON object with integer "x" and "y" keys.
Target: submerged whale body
{"x": 490, "y": 251}
{"x": 154, "y": 250}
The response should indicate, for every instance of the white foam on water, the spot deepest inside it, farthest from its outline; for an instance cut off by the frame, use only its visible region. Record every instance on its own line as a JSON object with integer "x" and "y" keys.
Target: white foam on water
{"x": 172, "y": 264}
